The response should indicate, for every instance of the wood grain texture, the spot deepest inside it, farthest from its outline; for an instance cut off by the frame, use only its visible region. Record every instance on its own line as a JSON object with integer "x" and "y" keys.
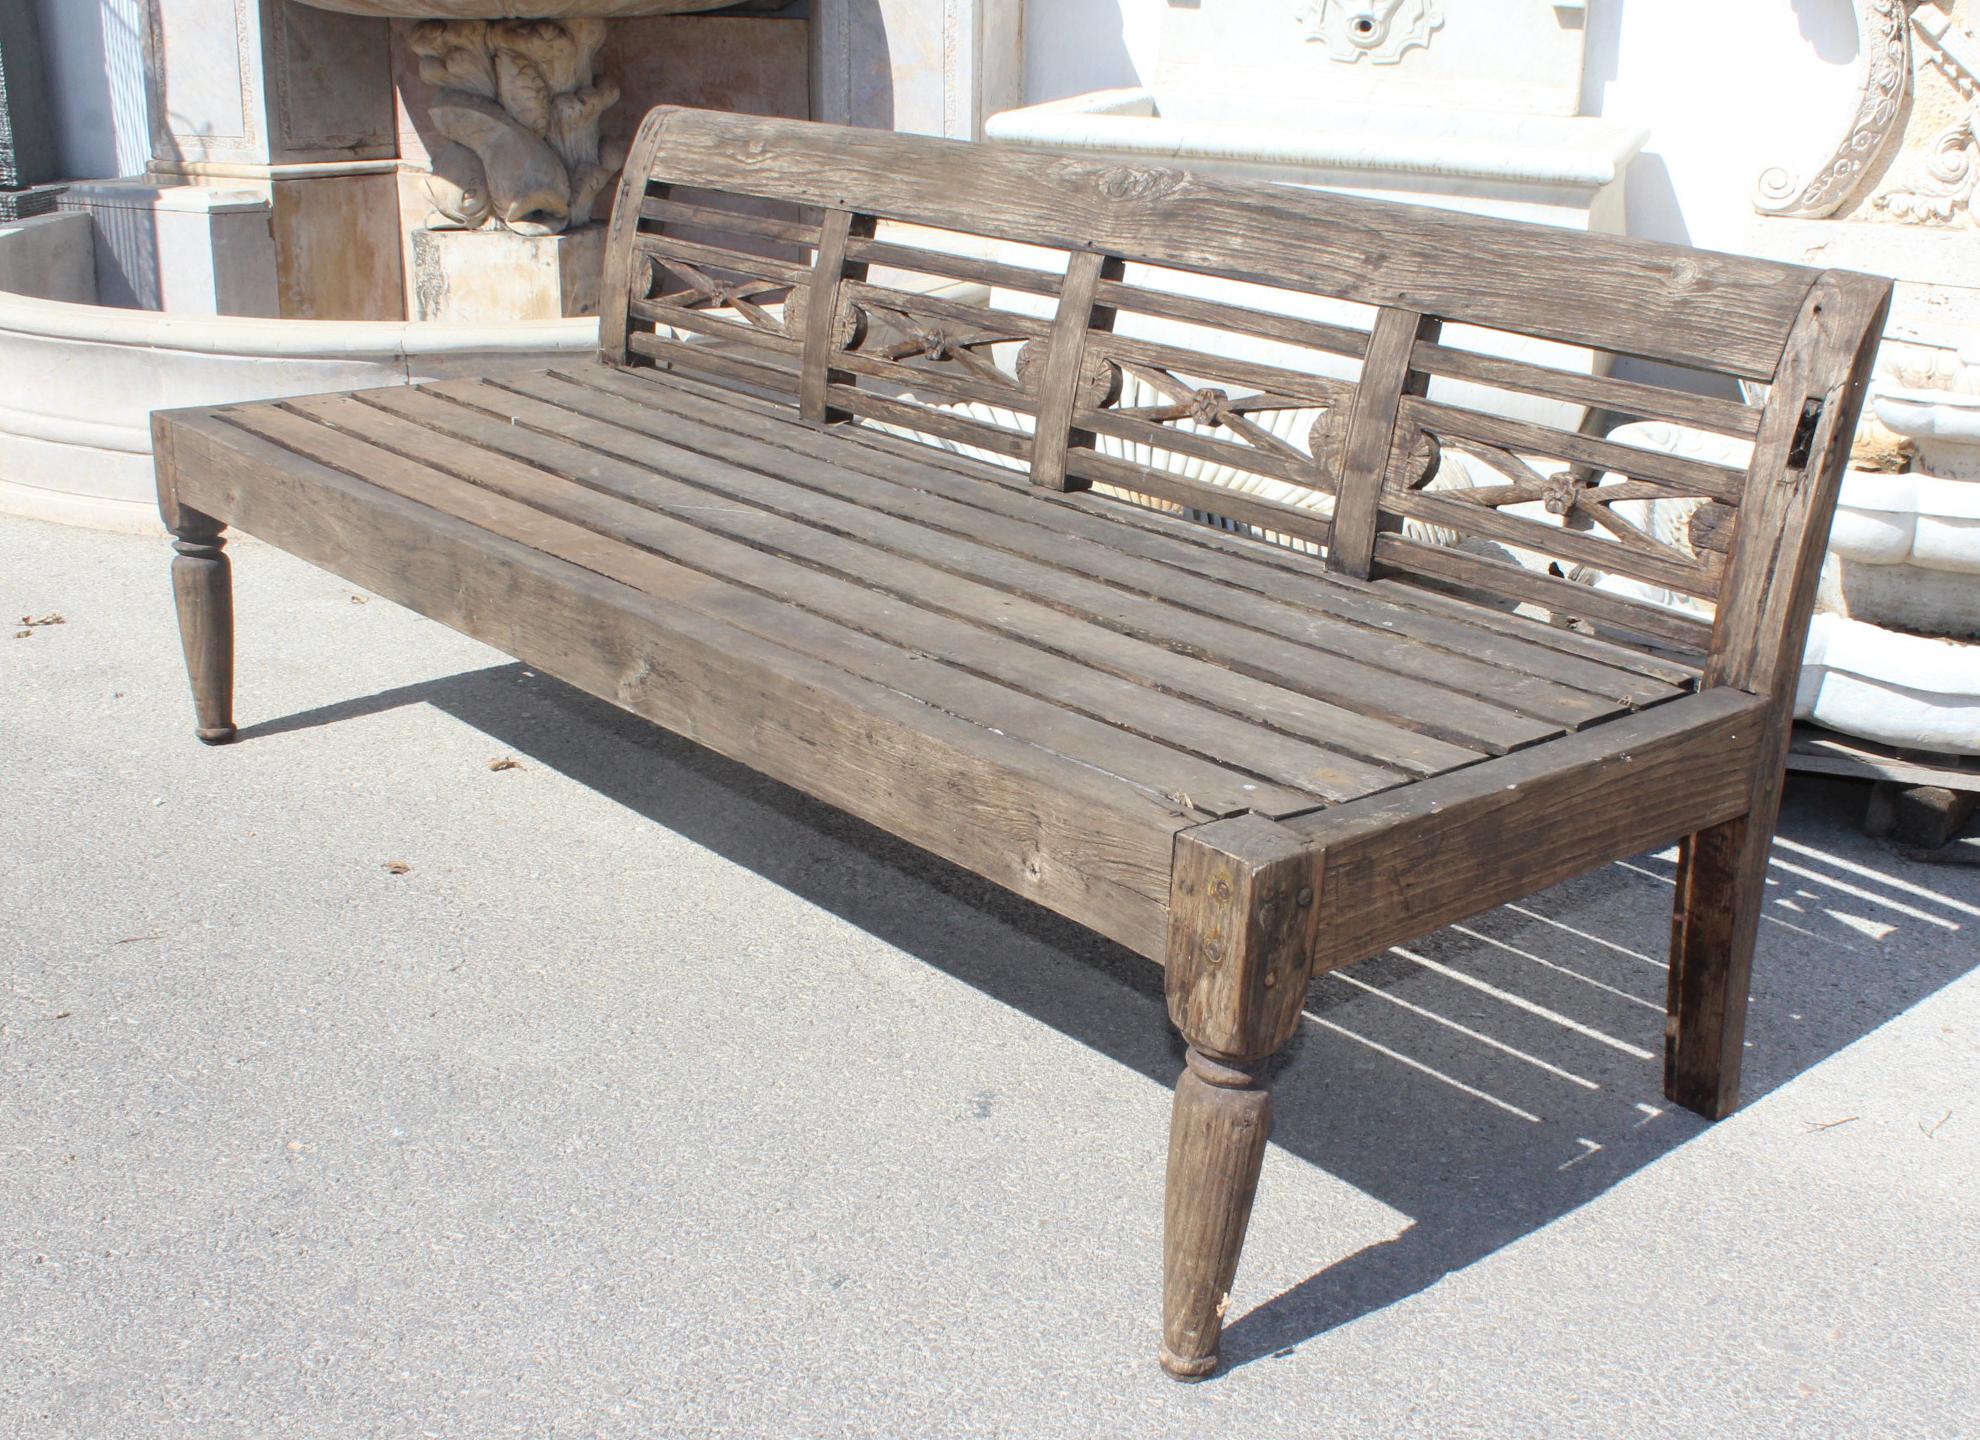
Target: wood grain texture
{"x": 829, "y": 273}
{"x": 1757, "y": 643}
{"x": 1095, "y": 850}
{"x": 1229, "y": 756}
{"x": 1787, "y": 507}
{"x": 1715, "y": 312}
{"x": 1601, "y": 392}
{"x": 1371, "y": 436}
{"x": 642, "y": 530}
{"x": 615, "y": 285}
{"x": 1218, "y": 1129}
{"x": 1059, "y": 381}
{"x": 1400, "y": 865}
{"x": 1242, "y": 906}
{"x": 203, "y": 593}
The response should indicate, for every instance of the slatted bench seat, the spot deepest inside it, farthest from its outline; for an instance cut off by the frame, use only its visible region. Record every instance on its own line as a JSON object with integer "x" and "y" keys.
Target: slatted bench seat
{"x": 1252, "y": 751}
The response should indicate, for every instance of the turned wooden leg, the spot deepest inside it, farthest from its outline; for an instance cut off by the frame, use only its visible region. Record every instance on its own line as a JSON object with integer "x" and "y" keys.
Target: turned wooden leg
{"x": 1217, "y": 1135}
{"x": 1241, "y": 942}
{"x": 202, "y": 585}
{"x": 1722, "y": 877}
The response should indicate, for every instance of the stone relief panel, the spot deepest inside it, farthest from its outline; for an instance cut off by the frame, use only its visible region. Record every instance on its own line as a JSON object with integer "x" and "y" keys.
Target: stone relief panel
{"x": 1911, "y": 152}
{"x": 1931, "y": 182}
{"x": 1381, "y": 31}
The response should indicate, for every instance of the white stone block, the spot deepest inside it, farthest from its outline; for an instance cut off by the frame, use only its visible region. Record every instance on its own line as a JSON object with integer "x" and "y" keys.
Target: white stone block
{"x": 492, "y": 276}
{"x": 189, "y": 249}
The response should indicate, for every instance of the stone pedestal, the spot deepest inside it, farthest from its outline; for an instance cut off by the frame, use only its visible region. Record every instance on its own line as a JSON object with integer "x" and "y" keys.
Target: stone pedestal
{"x": 188, "y": 249}
{"x": 753, "y": 64}
{"x": 292, "y": 105}
{"x": 494, "y": 275}
{"x": 934, "y": 67}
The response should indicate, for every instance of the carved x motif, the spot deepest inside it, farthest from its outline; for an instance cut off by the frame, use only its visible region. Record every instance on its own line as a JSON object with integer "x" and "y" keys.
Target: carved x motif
{"x": 1214, "y": 408}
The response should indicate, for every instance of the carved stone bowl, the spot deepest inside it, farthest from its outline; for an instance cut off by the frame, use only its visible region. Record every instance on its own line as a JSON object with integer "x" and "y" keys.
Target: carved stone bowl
{"x": 515, "y": 9}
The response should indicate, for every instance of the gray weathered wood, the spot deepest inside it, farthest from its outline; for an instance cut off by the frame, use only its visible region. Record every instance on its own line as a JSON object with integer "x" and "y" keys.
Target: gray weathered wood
{"x": 1058, "y": 383}
{"x": 1385, "y": 379}
{"x": 1229, "y": 754}
{"x": 1714, "y": 312}
{"x": 1757, "y": 640}
{"x": 829, "y": 273}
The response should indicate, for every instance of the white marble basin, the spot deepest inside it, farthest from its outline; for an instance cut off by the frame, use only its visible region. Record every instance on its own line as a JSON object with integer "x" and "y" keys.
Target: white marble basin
{"x": 1557, "y": 168}
{"x": 515, "y": 9}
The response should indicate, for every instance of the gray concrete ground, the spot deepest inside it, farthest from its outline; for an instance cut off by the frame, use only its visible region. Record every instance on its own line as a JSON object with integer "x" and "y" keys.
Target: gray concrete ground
{"x": 653, "y": 1099}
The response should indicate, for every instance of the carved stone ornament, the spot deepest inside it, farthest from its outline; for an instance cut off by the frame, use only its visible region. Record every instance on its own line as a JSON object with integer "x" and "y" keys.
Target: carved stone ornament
{"x": 1932, "y": 182}
{"x": 1382, "y": 31}
{"x": 1884, "y": 40}
{"x": 524, "y": 99}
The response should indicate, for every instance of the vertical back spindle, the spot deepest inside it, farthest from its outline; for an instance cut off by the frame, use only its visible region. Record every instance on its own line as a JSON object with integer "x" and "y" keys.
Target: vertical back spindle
{"x": 1058, "y": 384}
{"x": 828, "y": 273}
{"x": 1386, "y": 377}
{"x": 615, "y": 286}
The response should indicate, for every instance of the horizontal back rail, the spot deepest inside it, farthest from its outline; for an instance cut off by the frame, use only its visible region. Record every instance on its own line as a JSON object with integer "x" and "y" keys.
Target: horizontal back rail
{"x": 1723, "y": 313}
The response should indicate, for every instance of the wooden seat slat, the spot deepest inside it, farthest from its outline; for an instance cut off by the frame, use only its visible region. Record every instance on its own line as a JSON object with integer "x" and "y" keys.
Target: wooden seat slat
{"x": 1581, "y": 662}
{"x": 858, "y": 496}
{"x": 1357, "y": 754}
{"x": 899, "y": 763}
{"x": 813, "y": 526}
{"x": 740, "y": 588}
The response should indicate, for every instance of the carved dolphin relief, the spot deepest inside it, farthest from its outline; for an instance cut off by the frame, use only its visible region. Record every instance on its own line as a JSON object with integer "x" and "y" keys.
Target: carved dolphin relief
{"x": 457, "y": 189}
{"x": 528, "y": 188}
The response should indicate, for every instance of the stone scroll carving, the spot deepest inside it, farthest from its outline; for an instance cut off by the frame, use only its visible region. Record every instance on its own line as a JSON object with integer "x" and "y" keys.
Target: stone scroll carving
{"x": 1933, "y": 182}
{"x": 522, "y": 101}
{"x": 1884, "y": 40}
{"x": 1382, "y": 31}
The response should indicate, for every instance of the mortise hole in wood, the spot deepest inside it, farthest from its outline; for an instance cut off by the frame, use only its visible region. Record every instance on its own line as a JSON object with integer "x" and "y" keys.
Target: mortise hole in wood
{"x": 1804, "y": 435}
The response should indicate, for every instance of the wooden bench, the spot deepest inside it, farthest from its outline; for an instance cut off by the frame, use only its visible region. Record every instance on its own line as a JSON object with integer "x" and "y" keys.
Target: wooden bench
{"x": 890, "y": 485}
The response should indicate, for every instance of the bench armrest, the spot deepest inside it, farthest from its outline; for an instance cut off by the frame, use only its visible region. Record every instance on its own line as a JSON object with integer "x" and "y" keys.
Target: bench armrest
{"x": 1401, "y": 864}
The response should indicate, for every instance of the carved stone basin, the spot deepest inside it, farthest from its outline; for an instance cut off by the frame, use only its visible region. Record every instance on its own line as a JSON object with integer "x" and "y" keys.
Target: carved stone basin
{"x": 516, "y": 9}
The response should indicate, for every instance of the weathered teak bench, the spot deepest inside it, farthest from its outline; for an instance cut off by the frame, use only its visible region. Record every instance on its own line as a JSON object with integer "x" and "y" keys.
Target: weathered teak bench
{"x": 1247, "y": 760}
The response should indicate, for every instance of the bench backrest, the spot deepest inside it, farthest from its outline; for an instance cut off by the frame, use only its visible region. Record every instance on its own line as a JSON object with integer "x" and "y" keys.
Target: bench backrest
{"x": 1135, "y": 327}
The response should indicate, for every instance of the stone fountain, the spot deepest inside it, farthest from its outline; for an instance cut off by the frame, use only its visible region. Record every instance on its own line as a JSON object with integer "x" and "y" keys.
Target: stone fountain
{"x": 503, "y": 220}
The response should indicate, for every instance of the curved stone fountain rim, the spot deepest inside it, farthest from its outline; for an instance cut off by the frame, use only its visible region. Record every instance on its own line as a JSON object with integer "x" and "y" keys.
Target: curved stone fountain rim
{"x": 252, "y": 336}
{"x": 85, "y": 459}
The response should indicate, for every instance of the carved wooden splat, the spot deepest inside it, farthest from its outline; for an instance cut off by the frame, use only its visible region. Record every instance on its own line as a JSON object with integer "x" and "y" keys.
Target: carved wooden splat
{"x": 1215, "y": 408}
{"x": 1328, "y": 441}
{"x": 848, "y": 320}
{"x": 933, "y": 338}
{"x": 1099, "y": 377}
{"x": 707, "y": 292}
{"x": 1580, "y": 501}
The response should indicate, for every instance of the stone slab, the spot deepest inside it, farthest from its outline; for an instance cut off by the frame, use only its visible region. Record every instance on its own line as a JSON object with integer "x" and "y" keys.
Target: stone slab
{"x": 337, "y": 253}
{"x": 266, "y": 82}
{"x": 189, "y": 249}
{"x": 493, "y": 275}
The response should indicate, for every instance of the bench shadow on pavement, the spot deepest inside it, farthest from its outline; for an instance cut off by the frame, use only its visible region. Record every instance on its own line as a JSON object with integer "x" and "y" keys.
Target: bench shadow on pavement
{"x": 1482, "y": 1082}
